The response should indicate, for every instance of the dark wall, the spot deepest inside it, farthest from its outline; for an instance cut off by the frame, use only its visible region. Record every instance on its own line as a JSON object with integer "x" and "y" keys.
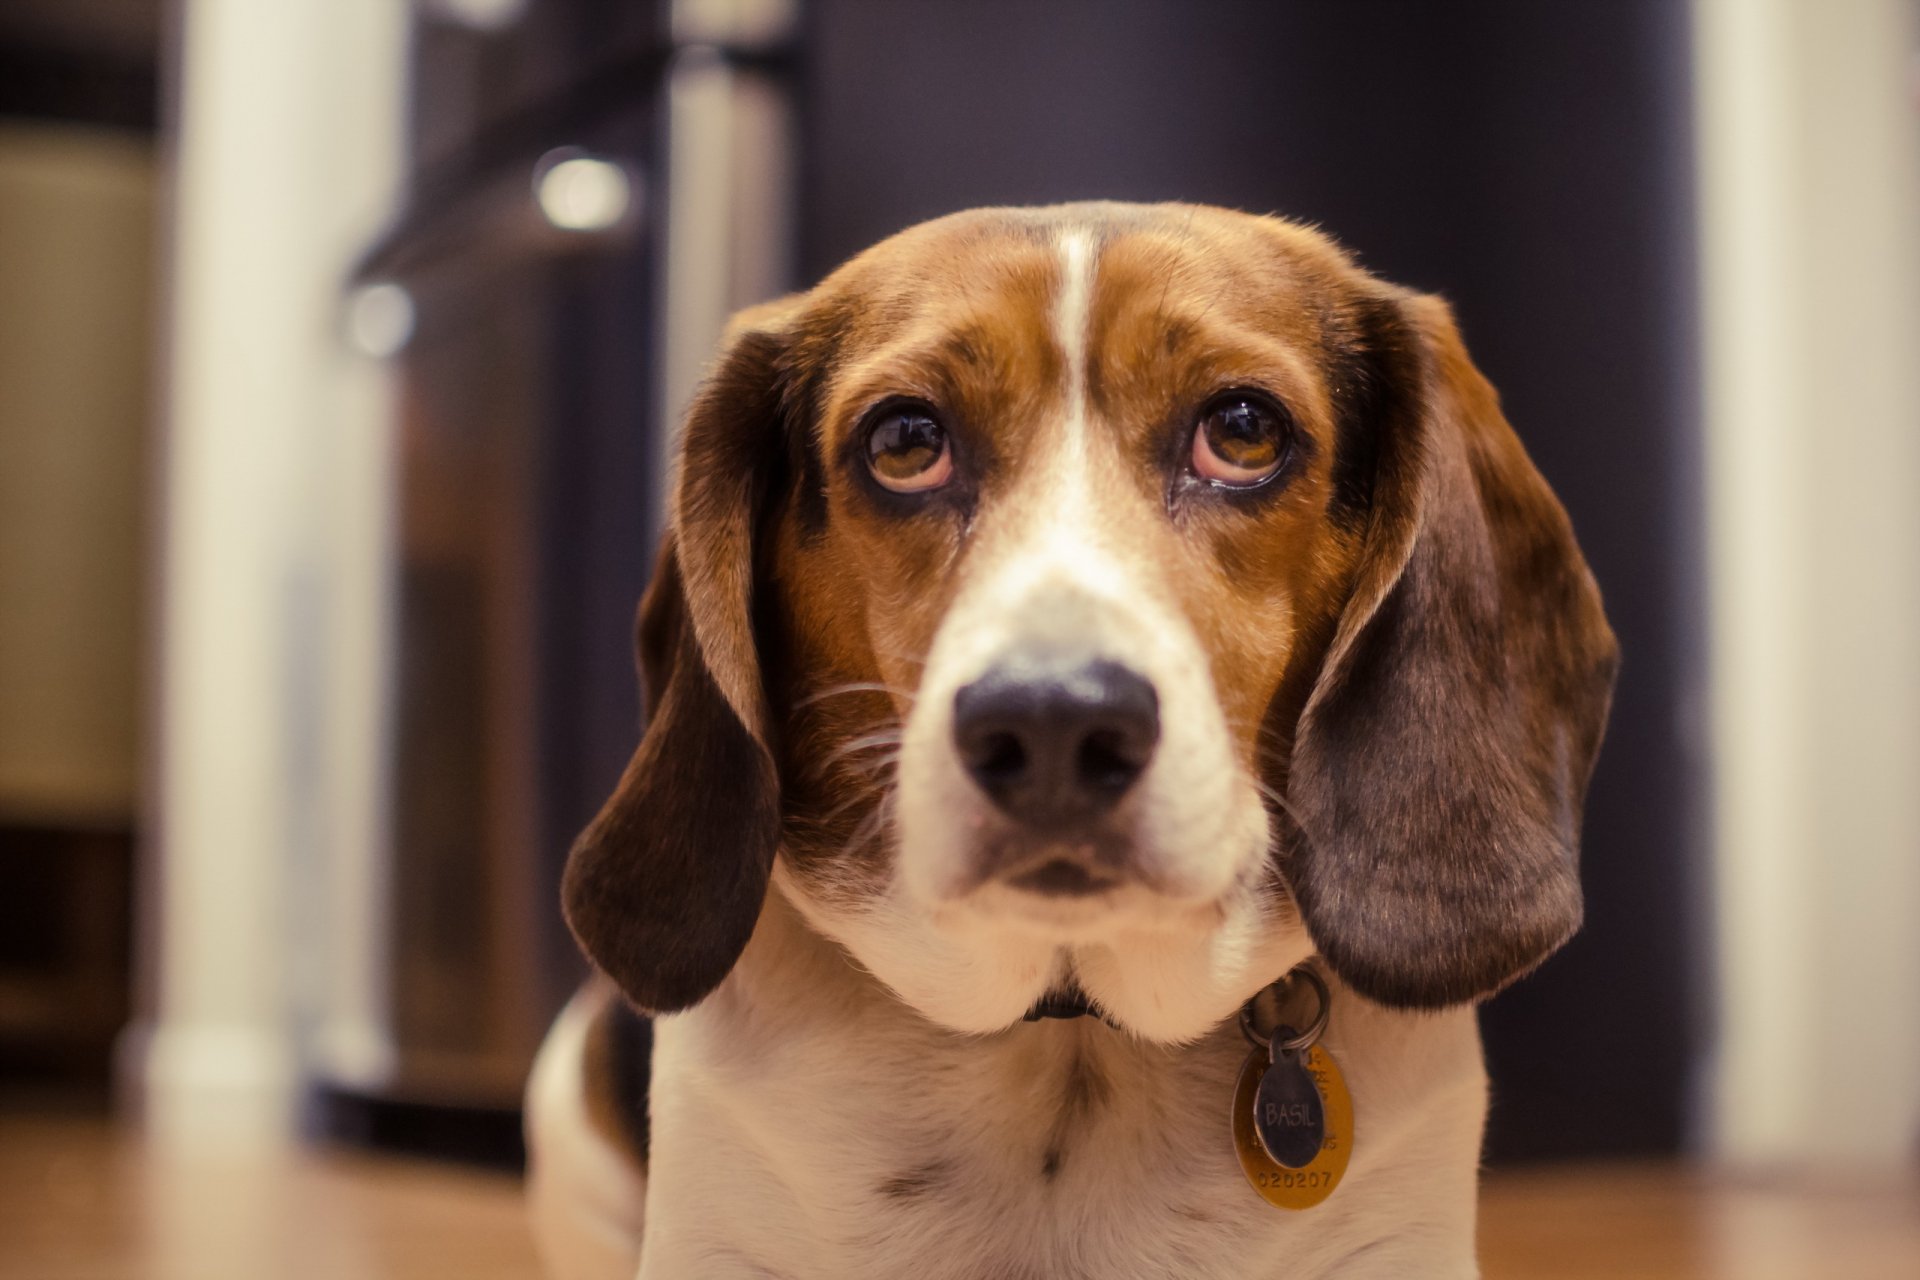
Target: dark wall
{"x": 89, "y": 64}
{"x": 1527, "y": 160}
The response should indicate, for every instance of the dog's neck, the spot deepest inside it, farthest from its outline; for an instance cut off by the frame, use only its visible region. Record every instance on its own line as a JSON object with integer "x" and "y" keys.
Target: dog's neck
{"x": 1052, "y": 1086}
{"x": 1101, "y": 1152}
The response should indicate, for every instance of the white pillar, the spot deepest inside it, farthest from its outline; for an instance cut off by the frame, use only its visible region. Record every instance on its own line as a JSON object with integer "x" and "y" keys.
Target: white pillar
{"x": 1809, "y": 222}
{"x": 286, "y": 155}
{"x": 729, "y": 210}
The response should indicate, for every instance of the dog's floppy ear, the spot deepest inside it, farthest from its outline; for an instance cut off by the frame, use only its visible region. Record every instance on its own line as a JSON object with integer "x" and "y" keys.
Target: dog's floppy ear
{"x": 663, "y": 889}
{"x": 1441, "y": 761}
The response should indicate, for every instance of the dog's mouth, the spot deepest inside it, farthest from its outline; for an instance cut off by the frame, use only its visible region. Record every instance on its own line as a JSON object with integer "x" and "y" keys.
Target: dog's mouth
{"x": 1065, "y": 878}
{"x": 1088, "y": 890}
{"x": 1081, "y": 865}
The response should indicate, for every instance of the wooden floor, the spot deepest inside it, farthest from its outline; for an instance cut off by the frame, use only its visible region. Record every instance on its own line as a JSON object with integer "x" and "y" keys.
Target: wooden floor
{"x": 1656, "y": 1222}
{"x": 80, "y": 1201}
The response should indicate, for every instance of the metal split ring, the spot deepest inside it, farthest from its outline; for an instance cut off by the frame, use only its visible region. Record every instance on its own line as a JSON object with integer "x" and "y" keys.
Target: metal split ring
{"x": 1315, "y": 1028}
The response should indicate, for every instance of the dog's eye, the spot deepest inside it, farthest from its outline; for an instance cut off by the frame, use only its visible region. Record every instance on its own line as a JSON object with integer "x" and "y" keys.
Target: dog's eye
{"x": 1240, "y": 440}
{"x": 907, "y": 450}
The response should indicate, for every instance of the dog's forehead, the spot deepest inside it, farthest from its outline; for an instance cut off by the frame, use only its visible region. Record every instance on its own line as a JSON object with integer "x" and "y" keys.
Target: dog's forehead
{"x": 1021, "y": 293}
{"x": 954, "y": 246}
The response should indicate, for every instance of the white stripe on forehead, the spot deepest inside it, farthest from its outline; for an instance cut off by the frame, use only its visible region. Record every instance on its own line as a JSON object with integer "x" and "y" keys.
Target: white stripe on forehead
{"x": 1070, "y": 318}
{"x": 1060, "y": 546}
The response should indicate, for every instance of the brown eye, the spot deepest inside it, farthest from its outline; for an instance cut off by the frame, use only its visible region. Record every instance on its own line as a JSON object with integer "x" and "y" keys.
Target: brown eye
{"x": 1240, "y": 440}
{"x": 907, "y": 450}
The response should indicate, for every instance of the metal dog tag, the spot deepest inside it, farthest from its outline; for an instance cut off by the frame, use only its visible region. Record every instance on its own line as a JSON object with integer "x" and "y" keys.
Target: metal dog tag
{"x": 1292, "y": 1115}
{"x": 1288, "y": 1113}
{"x": 1283, "y": 1186}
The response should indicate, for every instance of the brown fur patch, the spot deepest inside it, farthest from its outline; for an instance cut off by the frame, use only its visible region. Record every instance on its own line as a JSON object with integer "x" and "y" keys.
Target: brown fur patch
{"x": 616, "y": 1069}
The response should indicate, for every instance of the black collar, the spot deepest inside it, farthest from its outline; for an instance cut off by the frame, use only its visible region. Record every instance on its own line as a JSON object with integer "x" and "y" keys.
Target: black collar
{"x": 1068, "y": 1002}
{"x": 1071, "y": 1003}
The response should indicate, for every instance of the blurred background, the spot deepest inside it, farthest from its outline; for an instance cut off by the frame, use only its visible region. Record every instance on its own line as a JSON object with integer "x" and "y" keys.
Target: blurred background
{"x": 339, "y": 343}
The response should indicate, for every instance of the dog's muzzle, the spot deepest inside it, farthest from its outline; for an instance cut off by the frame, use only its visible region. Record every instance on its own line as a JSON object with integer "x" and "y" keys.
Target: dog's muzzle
{"x": 1055, "y": 744}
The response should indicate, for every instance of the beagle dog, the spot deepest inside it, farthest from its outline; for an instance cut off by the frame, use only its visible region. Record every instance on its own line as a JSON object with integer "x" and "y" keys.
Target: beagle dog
{"x": 1100, "y": 609}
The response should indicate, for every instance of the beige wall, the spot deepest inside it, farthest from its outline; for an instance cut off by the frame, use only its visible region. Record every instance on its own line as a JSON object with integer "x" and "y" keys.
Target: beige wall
{"x": 76, "y": 277}
{"x": 1809, "y": 181}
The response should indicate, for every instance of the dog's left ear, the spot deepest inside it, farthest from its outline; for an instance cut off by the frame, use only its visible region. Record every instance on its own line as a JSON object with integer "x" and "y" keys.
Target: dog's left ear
{"x": 664, "y": 888}
{"x": 1441, "y": 761}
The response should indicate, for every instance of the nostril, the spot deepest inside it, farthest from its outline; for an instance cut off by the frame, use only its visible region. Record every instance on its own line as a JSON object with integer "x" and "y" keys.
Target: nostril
{"x": 1108, "y": 762}
{"x": 998, "y": 759}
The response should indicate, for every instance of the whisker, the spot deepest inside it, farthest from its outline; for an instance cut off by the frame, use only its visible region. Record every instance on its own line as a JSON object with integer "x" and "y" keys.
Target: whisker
{"x": 1263, "y": 755}
{"x": 874, "y": 772}
{"x": 867, "y": 767}
{"x": 871, "y": 773}
{"x": 833, "y": 815}
{"x": 873, "y": 826}
{"x": 911, "y": 660}
{"x": 866, "y": 742}
{"x": 1278, "y": 801}
{"x": 1282, "y": 739}
{"x": 858, "y": 686}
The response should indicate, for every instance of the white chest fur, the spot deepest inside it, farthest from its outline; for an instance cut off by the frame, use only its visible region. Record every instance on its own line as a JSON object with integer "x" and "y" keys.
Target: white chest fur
{"x": 809, "y": 1133}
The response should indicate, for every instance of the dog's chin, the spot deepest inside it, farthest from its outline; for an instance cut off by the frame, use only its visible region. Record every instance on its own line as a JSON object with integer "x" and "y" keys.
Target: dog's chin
{"x": 1165, "y": 960}
{"x": 1165, "y": 957}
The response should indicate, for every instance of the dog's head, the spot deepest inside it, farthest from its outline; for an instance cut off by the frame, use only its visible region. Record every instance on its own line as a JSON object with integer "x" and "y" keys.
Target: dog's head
{"x": 1099, "y": 594}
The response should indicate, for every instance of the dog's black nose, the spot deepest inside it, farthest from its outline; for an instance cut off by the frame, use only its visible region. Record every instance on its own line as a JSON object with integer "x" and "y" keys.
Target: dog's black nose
{"x": 1055, "y": 744}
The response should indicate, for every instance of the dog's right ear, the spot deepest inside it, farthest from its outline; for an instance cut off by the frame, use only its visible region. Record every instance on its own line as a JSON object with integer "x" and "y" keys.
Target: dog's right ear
{"x": 663, "y": 889}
